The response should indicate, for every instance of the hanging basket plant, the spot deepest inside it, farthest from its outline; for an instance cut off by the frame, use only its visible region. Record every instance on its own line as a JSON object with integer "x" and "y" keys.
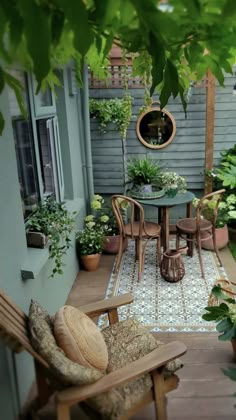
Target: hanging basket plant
{"x": 116, "y": 110}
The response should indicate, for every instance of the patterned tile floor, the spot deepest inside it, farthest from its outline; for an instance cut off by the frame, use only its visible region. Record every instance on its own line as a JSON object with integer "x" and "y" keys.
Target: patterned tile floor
{"x": 161, "y": 305}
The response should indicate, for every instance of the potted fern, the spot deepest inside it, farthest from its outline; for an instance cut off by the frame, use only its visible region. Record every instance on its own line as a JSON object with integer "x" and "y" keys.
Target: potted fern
{"x": 142, "y": 174}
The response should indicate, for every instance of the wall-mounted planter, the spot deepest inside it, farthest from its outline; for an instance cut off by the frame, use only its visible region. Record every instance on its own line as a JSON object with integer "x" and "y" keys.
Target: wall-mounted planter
{"x": 36, "y": 239}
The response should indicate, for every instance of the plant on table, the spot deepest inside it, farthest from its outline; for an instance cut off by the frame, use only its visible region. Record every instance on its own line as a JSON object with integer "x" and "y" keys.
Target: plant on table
{"x": 143, "y": 171}
{"x": 172, "y": 183}
{"x": 55, "y": 221}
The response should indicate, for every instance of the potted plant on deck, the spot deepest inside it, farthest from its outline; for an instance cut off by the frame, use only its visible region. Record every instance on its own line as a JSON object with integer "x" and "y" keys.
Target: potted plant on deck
{"x": 89, "y": 245}
{"x": 104, "y": 218}
{"x": 226, "y": 213}
{"x": 51, "y": 223}
{"x": 142, "y": 174}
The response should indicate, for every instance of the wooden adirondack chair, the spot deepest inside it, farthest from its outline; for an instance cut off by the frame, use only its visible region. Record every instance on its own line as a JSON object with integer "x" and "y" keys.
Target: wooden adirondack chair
{"x": 14, "y": 332}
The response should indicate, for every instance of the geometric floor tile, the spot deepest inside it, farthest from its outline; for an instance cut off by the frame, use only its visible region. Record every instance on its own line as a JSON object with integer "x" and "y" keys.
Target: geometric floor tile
{"x": 164, "y": 306}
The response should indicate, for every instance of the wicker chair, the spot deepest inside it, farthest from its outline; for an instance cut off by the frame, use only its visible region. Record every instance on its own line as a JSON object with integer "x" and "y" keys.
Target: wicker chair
{"x": 192, "y": 228}
{"x": 139, "y": 230}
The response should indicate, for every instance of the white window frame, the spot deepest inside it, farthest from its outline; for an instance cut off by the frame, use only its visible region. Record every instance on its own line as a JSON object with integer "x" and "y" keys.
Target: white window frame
{"x": 40, "y": 110}
{"x": 48, "y": 114}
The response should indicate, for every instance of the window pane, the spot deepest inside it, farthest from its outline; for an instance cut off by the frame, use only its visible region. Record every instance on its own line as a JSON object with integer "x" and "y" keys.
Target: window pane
{"x": 45, "y": 98}
{"x": 25, "y": 153}
{"x": 44, "y": 129}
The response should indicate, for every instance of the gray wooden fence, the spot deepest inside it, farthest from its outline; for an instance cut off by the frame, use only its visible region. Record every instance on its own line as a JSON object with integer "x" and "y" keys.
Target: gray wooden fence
{"x": 184, "y": 155}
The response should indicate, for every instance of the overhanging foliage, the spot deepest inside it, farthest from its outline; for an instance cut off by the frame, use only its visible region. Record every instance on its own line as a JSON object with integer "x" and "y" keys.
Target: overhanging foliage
{"x": 42, "y": 35}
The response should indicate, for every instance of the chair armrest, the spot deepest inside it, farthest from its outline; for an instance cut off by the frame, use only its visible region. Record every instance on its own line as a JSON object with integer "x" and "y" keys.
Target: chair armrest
{"x": 106, "y": 305}
{"x": 155, "y": 359}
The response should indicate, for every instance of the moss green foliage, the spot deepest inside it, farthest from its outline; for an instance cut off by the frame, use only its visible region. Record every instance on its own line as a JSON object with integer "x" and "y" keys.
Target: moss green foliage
{"x": 224, "y": 314}
{"x": 54, "y": 220}
{"x": 182, "y": 43}
{"x": 142, "y": 171}
{"x": 117, "y": 111}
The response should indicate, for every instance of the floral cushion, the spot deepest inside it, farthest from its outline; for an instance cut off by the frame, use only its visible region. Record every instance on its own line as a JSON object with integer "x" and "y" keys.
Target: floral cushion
{"x": 64, "y": 371}
{"x": 127, "y": 341}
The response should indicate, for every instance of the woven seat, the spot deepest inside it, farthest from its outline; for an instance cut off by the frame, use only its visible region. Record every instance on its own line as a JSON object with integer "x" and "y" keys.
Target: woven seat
{"x": 150, "y": 229}
{"x": 139, "y": 230}
{"x": 191, "y": 228}
{"x": 190, "y": 225}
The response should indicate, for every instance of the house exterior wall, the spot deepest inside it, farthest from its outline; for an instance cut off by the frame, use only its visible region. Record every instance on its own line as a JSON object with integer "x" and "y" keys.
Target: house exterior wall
{"x": 14, "y": 254}
{"x": 184, "y": 155}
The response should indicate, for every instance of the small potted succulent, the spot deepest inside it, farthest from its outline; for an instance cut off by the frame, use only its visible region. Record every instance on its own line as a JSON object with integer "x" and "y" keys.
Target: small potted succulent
{"x": 172, "y": 183}
{"x": 143, "y": 173}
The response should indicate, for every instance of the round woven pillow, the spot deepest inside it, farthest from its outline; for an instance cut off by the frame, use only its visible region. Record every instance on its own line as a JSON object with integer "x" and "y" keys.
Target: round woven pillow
{"x": 80, "y": 339}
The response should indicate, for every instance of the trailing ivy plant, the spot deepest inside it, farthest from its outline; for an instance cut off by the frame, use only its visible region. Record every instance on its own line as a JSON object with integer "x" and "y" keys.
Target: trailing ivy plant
{"x": 54, "y": 220}
{"x": 117, "y": 111}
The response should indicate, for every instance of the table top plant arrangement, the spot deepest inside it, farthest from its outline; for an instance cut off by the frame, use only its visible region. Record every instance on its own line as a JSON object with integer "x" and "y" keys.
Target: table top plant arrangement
{"x": 51, "y": 222}
{"x": 143, "y": 173}
{"x": 172, "y": 183}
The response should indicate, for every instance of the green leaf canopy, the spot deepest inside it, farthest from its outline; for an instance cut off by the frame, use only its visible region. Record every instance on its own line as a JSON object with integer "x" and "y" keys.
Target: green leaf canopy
{"x": 183, "y": 40}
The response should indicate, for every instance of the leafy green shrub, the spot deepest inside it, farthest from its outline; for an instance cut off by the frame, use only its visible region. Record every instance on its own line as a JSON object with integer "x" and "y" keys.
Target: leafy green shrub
{"x": 224, "y": 314}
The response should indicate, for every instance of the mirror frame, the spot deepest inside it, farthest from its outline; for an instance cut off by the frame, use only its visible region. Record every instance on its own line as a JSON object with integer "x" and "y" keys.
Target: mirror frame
{"x": 145, "y": 143}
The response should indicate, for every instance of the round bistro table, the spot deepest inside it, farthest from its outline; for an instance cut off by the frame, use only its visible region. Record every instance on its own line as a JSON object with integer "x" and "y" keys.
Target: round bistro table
{"x": 164, "y": 204}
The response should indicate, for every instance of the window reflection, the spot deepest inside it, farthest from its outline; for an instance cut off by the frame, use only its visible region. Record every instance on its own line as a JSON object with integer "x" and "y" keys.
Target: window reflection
{"x": 25, "y": 153}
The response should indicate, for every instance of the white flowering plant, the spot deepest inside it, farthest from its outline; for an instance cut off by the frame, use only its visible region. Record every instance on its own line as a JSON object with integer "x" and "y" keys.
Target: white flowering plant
{"x": 98, "y": 225}
{"x": 172, "y": 179}
{"x": 224, "y": 314}
{"x": 226, "y": 210}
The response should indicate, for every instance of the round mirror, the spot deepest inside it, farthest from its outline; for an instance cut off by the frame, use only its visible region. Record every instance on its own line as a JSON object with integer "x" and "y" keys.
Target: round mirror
{"x": 156, "y": 128}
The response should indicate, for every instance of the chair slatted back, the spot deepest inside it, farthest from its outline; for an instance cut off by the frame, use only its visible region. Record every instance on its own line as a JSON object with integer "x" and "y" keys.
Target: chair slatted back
{"x": 14, "y": 328}
{"x": 215, "y": 196}
{"x": 136, "y": 213}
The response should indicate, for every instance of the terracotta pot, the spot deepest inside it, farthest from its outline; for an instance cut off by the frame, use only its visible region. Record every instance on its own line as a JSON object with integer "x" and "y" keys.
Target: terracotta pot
{"x": 222, "y": 238}
{"x": 90, "y": 262}
{"x": 111, "y": 245}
